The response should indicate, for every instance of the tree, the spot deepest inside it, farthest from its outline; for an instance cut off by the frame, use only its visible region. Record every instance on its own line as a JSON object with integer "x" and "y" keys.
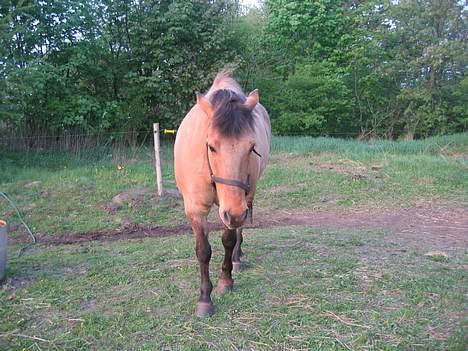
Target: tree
{"x": 315, "y": 100}
{"x": 428, "y": 46}
{"x": 376, "y": 68}
{"x": 305, "y": 29}
{"x": 100, "y": 65}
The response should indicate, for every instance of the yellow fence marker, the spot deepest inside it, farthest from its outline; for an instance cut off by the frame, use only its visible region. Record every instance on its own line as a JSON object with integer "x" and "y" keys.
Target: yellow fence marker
{"x": 169, "y": 131}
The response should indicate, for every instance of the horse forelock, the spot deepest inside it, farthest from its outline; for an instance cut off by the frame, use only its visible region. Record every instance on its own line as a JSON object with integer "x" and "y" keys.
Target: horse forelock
{"x": 231, "y": 117}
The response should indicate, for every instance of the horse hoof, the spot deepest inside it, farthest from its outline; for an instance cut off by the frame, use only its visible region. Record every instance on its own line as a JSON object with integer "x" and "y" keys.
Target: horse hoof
{"x": 204, "y": 309}
{"x": 236, "y": 267}
{"x": 223, "y": 287}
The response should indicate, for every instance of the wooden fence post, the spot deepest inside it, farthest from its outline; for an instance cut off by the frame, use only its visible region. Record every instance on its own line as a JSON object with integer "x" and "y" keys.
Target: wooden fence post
{"x": 157, "y": 158}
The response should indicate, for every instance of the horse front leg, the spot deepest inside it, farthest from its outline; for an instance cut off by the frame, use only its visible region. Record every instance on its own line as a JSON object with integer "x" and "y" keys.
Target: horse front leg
{"x": 203, "y": 251}
{"x": 237, "y": 252}
{"x": 225, "y": 282}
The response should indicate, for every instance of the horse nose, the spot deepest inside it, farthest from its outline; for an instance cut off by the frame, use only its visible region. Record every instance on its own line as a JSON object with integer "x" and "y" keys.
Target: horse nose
{"x": 235, "y": 221}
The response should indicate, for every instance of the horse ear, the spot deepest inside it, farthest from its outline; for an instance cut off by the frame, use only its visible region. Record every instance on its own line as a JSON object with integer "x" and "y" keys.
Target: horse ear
{"x": 252, "y": 100}
{"x": 205, "y": 104}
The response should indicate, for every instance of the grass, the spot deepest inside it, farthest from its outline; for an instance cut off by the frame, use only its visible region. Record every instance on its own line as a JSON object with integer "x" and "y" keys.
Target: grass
{"x": 324, "y": 180}
{"x": 72, "y": 191}
{"x": 431, "y": 146}
{"x": 302, "y": 288}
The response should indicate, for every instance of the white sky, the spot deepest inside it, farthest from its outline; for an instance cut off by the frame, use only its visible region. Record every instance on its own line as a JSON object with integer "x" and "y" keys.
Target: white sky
{"x": 251, "y": 3}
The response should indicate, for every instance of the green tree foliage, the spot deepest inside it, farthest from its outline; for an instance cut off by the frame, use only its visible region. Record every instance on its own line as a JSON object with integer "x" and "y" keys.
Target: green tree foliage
{"x": 374, "y": 68}
{"x": 95, "y": 66}
{"x": 404, "y": 62}
{"x": 315, "y": 100}
{"x": 305, "y": 40}
{"x": 429, "y": 47}
{"x": 305, "y": 29}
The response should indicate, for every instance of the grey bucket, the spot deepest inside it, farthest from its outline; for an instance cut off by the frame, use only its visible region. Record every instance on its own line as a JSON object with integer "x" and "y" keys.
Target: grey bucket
{"x": 3, "y": 249}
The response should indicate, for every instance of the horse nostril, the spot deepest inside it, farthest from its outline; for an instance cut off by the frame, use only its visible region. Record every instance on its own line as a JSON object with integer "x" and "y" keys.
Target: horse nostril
{"x": 235, "y": 221}
{"x": 227, "y": 217}
{"x": 246, "y": 213}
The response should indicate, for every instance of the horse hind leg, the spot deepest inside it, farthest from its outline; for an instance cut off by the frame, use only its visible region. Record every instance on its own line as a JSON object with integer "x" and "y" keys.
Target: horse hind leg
{"x": 203, "y": 251}
{"x": 237, "y": 252}
{"x": 225, "y": 282}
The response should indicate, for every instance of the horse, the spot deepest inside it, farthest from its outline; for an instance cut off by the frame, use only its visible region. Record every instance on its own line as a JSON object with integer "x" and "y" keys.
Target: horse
{"x": 221, "y": 150}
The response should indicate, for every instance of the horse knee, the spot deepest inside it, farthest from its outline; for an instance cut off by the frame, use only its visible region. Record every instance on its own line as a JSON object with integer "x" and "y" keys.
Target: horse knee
{"x": 203, "y": 252}
{"x": 229, "y": 239}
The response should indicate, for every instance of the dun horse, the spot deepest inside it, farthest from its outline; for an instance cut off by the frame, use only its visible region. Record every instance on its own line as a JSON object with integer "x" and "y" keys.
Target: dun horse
{"x": 221, "y": 149}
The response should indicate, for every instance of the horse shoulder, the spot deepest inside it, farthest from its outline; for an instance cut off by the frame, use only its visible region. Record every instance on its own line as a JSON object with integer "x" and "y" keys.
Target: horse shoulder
{"x": 190, "y": 164}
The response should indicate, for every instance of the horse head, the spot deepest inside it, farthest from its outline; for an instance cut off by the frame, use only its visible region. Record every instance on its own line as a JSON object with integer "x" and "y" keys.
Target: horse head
{"x": 230, "y": 144}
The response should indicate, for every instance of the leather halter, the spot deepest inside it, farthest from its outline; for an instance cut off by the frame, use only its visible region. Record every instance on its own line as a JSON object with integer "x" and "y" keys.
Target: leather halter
{"x": 233, "y": 182}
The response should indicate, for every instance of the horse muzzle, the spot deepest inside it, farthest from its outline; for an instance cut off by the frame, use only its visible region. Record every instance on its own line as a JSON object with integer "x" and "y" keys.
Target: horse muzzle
{"x": 233, "y": 221}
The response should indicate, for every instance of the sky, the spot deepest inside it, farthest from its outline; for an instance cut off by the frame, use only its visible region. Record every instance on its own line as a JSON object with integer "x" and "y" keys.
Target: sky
{"x": 250, "y": 3}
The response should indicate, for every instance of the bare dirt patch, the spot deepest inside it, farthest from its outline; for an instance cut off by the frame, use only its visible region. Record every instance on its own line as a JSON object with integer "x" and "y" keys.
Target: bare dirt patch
{"x": 439, "y": 227}
{"x": 131, "y": 197}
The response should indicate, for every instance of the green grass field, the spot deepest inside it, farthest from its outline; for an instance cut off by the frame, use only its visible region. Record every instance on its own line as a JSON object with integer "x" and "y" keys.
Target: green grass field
{"x": 302, "y": 287}
{"x": 71, "y": 192}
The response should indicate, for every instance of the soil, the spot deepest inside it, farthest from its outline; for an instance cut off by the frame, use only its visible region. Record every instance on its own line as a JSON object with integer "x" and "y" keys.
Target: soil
{"x": 439, "y": 227}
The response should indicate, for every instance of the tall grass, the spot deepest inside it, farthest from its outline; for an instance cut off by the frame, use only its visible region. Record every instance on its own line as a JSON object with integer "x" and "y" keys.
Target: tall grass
{"x": 25, "y": 165}
{"x": 431, "y": 146}
{"x": 29, "y": 164}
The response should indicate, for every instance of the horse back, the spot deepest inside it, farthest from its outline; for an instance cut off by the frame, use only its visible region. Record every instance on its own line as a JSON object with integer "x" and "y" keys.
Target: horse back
{"x": 262, "y": 138}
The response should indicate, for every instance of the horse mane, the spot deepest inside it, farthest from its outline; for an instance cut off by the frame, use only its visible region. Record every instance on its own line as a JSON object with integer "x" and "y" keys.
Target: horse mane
{"x": 231, "y": 117}
{"x": 225, "y": 80}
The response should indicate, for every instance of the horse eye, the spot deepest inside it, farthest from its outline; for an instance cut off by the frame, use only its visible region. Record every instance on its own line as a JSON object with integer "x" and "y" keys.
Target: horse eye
{"x": 252, "y": 149}
{"x": 212, "y": 149}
